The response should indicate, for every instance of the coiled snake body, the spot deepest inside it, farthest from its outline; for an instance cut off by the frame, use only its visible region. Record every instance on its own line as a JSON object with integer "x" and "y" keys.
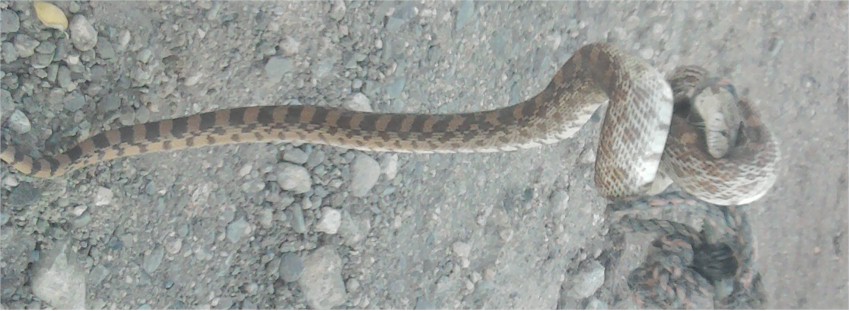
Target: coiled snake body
{"x": 631, "y": 147}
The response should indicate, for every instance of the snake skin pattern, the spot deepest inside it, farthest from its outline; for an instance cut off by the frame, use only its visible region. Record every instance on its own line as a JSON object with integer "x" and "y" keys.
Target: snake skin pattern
{"x": 632, "y": 143}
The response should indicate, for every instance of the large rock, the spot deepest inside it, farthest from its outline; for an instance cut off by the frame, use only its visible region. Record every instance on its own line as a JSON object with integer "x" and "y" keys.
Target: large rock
{"x": 59, "y": 280}
{"x": 321, "y": 281}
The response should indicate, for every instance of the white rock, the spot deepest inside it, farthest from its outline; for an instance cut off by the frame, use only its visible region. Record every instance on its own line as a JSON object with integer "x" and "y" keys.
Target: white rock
{"x": 103, "y": 196}
{"x": 389, "y": 165}
{"x": 461, "y": 249}
{"x": 293, "y": 178}
{"x": 83, "y": 34}
{"x": 330, "y": 222}
{"x": 59, "y": 280}
{"x": 19, "y": 122}
{"x": 359, "y": 102}
{"x": 321, "y": 283}
{"x": 364, "y": 175}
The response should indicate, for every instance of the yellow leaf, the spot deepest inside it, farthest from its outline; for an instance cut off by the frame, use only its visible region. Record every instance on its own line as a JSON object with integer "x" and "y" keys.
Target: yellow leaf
{"x": 51, "y": 15}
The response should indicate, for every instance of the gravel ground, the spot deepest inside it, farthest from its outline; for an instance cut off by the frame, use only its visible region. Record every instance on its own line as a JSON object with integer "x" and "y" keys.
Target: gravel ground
{"x": 283, "y": 226}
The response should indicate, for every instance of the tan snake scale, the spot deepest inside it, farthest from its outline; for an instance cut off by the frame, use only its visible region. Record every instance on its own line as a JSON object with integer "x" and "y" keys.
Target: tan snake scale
{"x": 631, "y": 148}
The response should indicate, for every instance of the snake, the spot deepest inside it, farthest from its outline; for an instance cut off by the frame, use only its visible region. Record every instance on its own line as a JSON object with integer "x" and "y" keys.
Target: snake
{"x": 641, "y": 133}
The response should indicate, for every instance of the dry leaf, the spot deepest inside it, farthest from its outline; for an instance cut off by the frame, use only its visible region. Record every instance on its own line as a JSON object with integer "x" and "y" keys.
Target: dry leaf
{"x": 51, "y": 15}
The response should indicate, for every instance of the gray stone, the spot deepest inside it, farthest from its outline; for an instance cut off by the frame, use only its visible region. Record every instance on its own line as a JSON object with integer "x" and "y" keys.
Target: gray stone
{"x": 330, "y": 221}
{"x": 316, "y": 158}
{"x": 359, "y": 102}
{"x": 590, "y": 277}
{"x": 46, "y": 47}
{"x": 41, "y": 61}
{"x": 464, "y": 14}
{"x": 298, "y": 223}
{"x": 75, "y": 101}
{"x": 277, "y": 67}
{"x": 596, "y": 304}
{"x": 238, "y": 229}
{"x": 461, "y": 249}
{"x": 394, "y": 89}
{"x": 63, "y": 77}
{"x": 296, "y": 156}
{"x": 98, "y": 274}
{"x": 291, "y": 267}
{"x": 58, "y": 278}
{"x": 364, "y": 175}
{"x": 153, "y": 259}
{"x": 293, "y": 178}
{"x": 104, "y": 49}
{"x": 109, "y": 103}
{"x": 321, "y": 282}
{"x": 389, "y": 165}
{"x": 559, "y": 200}
{"x": 9, "y": 21}
{"x": 266, "y": 218}
{"x": 10, "y": 52}
{"x": 141, "y": 77}
{"x": 103, "y": 196}
{"x": 83, "y": 34}
{"x": 338, "y": 10}
{"x": 7, "y": 106}
{"x": 25, "y": 45}
{"x": 19, "y": 122}
{"x": 353, "y": 232}
{"x": 144, "y": 55}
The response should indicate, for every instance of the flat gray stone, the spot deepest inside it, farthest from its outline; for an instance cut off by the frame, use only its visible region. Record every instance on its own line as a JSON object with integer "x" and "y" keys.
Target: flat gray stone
{"x": 9, "y": 21}
{"x": 277, "y": 67}
{"x": 291, "y": 267}
{"x": 364, "y": 175}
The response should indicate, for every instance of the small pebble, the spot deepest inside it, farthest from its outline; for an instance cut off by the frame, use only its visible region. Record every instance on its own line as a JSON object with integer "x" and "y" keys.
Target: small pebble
{"x": 9, "y": 22}
{"x": 104, "y": 49}
{"x": 19, "y": 122}
{"x": 10, "y": 181}
{"x": 296, "y": 156}
{"x": 238, "y": 229}
{"x": 103, "y": 196}
{"x": 277, "y": 67}
{"x": 338, "y": 10}
{"x": 25, "y": 45}
{"x": 359, "y": 102}
{"x": 266, "y": 218}
{"x": 152, "y": 260}
{"x": 389, "y": 165}
{"x": 10, "y": 52}
{"x": 364, "y": 175}
{"x": 79, "y": 210}
{"x": 83, "y": 34}
{"x": 330, "y": 222}
{"x": 291, "y": 267}
{"x": 75, "y": 101}
{"x": 461, "y": 249}
{"x": 293, "y": 178}
{"x": 173, "y": 245}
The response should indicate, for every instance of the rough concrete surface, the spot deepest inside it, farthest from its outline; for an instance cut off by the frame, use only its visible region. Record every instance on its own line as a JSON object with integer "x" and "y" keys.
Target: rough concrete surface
{"x": 214, "y": 227}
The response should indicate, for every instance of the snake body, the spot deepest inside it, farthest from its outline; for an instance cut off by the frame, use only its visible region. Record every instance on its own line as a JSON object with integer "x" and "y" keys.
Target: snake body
{"x": 631, "y": 146}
